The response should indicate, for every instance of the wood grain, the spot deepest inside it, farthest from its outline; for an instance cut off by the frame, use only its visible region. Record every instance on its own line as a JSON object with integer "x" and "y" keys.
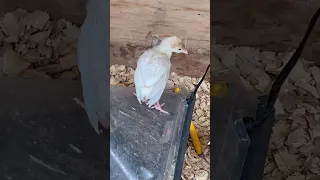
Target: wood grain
{"x": 132, "y": 20}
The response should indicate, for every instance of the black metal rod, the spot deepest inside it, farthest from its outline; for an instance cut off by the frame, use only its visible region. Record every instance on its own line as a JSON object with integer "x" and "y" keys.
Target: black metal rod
{"x": 184, "y": 139}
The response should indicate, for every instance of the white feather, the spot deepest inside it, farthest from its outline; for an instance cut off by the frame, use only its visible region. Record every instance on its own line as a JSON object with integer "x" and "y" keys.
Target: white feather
{"x": 151, "y": 75}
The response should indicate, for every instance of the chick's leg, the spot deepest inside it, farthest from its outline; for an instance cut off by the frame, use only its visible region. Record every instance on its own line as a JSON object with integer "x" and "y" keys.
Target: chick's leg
{"x": 158, "y": 107}
{"x": 144, "y": 100}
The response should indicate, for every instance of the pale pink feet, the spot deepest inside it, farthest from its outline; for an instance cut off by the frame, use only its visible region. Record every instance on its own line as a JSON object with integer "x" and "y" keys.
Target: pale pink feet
{"x": 158, "y": 107}
{"x": 144, "y": 100}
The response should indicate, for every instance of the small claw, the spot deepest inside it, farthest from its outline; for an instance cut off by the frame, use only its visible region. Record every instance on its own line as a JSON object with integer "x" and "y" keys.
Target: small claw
{"x": 79, "y": 102}
{"x": 163, "y": 111}
{"x": 158, "y": 107}
{"x": 137, "y": 97}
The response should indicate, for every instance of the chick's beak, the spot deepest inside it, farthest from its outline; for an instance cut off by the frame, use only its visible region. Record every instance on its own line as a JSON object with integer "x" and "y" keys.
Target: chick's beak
{"x": 185, "y": 51}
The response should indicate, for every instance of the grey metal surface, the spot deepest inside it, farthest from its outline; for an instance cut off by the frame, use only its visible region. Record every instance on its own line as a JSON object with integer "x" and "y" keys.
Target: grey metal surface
{"x": 44, "y": 135}
{"x": 143, "y": 141}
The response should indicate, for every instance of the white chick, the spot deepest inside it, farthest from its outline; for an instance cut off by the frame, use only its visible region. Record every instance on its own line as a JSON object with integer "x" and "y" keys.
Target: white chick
{"x": 153, "y": 71}
{"x": 93, "y": 63}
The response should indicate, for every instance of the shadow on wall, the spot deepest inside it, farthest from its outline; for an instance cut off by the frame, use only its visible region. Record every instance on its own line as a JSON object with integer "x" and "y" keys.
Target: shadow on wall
{"x": 72, "y": 10}
{"x": 272, "y": 25}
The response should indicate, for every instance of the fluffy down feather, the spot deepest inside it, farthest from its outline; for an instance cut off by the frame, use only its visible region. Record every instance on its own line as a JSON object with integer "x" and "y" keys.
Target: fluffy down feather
{"x": 151, "y": 76}
{"x": 153, "y": 70}
{"x": 93, "y": 62}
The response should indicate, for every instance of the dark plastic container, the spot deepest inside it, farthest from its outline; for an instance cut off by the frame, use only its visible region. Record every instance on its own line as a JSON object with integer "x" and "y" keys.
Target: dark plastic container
{"x": 145, "y": 143}
{"x": 230, "y": 141}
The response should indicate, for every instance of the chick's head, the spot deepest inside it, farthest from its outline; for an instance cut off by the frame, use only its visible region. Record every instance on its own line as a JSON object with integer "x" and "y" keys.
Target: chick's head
{"x": 174, "y": 44}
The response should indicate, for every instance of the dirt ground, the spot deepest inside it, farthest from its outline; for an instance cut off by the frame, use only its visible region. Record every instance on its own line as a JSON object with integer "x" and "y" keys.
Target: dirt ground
{"x": 34, "y": 46}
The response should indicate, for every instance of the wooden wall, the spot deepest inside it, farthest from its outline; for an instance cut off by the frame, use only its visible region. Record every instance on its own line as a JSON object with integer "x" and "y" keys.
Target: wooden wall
{"x": 131, "y": 21}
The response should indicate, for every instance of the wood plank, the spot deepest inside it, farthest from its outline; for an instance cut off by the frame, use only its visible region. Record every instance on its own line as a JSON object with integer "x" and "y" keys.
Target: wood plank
{"x": 272, "y": 25}
{"x": 132, "y": 20}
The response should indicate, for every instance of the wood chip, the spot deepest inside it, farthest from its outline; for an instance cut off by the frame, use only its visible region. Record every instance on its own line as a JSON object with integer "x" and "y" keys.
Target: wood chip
{"x": 316, "y": 75}
{"x": 285, "y": 162}
{"x": 202, "y": 175}
{"x": 229, "y": 59}
{"x": 68, "y": 61}
{"x": 12, "y": 39}
{"x": 296, "y": 177}
{"x": 297, "y": 138}
{"x": 249, "y": 54}
{"x": 298, "y": 73}
{"x": 36, "y": 19}
{"x": 315, "y": 166}
{"x": 71, "y": 31}
{"x": 267, "y": 57}
{"x": 33, "y": 55}
{"x": 308, "y": 87}
{"x": 68, "y": 75}
{"x": 13, "y": 63}
{"x": 10, "y": 25}
{"x": 40, "y": 37}
{"x": 35, "y": 74}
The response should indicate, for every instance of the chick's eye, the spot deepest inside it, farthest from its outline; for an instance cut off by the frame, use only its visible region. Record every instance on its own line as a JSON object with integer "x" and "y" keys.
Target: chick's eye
{"x": 179, "y": 49}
